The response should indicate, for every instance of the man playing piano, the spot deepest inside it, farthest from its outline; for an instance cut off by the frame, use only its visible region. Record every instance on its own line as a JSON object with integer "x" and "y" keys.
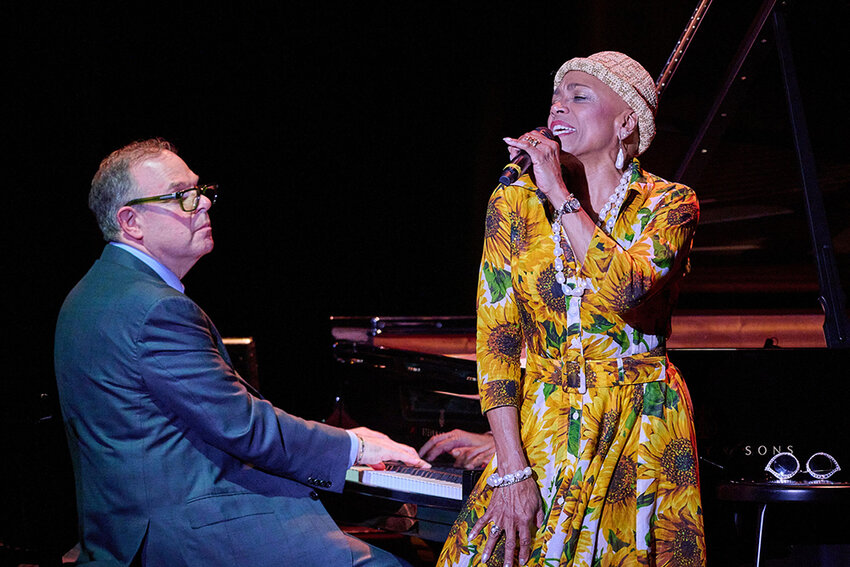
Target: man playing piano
{"x": 178, "y": 461}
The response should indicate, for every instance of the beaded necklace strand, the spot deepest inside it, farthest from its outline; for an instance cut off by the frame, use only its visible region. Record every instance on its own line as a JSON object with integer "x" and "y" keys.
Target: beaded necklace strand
{"x": 611, "y": 209}
{"x": 607, "y": 217}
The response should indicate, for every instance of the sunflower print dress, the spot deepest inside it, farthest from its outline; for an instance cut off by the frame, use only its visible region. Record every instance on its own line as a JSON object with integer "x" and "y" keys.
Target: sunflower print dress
{"x": 606, "y": 420}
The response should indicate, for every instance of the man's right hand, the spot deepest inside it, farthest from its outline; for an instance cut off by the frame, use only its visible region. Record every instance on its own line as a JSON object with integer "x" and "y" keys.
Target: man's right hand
{"x": 378, "y": 448}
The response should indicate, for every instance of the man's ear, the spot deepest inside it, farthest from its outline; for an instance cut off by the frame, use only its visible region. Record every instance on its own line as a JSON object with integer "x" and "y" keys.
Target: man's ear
{"x": 128, "y": 221}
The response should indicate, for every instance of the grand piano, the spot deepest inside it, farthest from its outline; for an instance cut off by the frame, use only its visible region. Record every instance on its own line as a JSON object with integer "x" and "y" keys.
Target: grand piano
{"x": 750, "y": 401}
{"x": 761, "y": 334}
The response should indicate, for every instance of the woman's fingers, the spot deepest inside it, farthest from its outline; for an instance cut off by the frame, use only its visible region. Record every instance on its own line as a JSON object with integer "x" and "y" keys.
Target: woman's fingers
{"x": 488, "y": 525}
{"x": 492, "y": 539}
{"x": 522, "y": 515}
{"x": 510, "y": 546}
{"x": 523, "y": 143}
{"x": 479, "y": 525}
{"x": 536, "y": 138}
{"x": 525, "y": 539}
{"x": 516, "y": 536}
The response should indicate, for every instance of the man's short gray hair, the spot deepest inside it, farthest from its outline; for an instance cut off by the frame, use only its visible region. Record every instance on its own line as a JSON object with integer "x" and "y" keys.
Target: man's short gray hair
{"x": 114, "y": 184}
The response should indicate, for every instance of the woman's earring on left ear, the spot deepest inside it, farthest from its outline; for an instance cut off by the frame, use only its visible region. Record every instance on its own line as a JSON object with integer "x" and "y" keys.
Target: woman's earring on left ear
{"x": 621, "y": 156}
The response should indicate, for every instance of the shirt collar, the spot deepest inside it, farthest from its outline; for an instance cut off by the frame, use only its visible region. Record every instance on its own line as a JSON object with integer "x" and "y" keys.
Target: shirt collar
{"x": 167, "y": 275}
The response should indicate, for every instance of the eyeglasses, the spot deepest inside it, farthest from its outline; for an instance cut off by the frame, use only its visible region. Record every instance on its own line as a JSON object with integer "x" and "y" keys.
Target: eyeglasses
{"x": 784, "y": 466}
{"x": 188, "y": 198}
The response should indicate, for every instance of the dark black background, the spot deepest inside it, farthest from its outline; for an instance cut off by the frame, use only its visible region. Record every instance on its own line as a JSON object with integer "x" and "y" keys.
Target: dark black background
{"x": 355, "y": 149}
{"x": 355, "y": 146}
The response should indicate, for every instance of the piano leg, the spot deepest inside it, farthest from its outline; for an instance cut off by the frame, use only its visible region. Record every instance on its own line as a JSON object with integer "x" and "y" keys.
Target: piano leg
{"x": 762, "y": 510}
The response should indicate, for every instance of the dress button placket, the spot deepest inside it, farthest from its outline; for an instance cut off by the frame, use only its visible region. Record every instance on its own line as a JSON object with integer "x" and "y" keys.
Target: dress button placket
{"x": 573, "y": 287}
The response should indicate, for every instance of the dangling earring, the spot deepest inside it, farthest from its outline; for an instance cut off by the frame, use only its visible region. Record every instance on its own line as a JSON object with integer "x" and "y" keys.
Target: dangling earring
{"x": 621, "y": 156}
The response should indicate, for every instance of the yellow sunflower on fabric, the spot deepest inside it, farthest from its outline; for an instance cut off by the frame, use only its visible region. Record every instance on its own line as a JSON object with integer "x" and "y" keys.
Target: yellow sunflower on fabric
{"x": 458, "y": 536}
{"x": 542, "y": 245}
{"x": 623, "y": 557}
{"x": 497, "y": 229}
{"x": 556, "y": 422}
{"x": 498, "y": 348}
{"x": 600, "y": 253}
{"x": 669, "y": 456}
{"x": 532, "y": 388}
{"x": 601, "y": 421}
{"x": 583, "y": 546}
{"x": 523, "y": 226}
{"x": 545, "y": 296}
{"x": 578, "y": 543}
{"x": 681, "y": 220}
{"x": 625, "y": 285}
{"x": 534, "y": 340}
{"x": 620, "y": 500}
{"x": 499, "y": 342}
{"x": 600, "y": 328}
{"x": 534, "y": 438}
{"x": 642, "y": 371}
{"x": 680, "y": 540}
{"x": 601, "y": 346}
{"x": 639, "y": 251}
{"x": 458, "y": 539}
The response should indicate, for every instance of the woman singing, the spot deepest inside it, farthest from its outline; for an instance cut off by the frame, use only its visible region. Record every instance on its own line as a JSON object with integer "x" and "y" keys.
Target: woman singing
{"x": 595, "y": 451}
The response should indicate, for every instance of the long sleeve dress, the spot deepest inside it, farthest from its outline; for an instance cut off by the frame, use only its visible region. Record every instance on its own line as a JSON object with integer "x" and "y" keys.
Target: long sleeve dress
{"x": 606, "y": 420}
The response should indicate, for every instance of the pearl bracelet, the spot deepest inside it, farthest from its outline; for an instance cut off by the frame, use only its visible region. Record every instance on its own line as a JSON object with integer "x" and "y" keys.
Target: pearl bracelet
{"x": 496, "y": 481}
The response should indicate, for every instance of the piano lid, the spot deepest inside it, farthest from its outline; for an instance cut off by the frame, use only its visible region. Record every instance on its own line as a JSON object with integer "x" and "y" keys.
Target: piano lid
{"x": 753, "y": 248}
{"x": 444, "y": 335}
{"x": 454, "y": 336}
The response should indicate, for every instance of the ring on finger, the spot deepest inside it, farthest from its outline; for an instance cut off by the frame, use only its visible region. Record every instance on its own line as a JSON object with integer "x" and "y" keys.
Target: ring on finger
{"x": 495, "y": 529}
{"x": 533, "y": 141}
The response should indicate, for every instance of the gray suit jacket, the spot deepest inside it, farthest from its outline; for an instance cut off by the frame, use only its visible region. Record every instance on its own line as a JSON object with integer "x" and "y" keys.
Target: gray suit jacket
{"x": 172, "y": 451}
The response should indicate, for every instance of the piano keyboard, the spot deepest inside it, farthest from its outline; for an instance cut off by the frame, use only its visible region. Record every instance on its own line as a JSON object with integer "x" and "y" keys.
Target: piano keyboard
{"x": 436, "y": 481}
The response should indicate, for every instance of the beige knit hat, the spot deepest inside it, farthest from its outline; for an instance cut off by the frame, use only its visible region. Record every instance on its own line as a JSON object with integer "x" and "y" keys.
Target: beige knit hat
{"x": 627, "y": 78}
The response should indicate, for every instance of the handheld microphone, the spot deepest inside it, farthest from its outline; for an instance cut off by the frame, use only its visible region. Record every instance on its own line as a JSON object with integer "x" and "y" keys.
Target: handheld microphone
{"x": 521, "y": 162}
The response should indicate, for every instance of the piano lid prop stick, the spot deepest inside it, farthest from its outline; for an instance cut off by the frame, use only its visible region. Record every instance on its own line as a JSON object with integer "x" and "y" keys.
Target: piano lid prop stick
{"x": 681, "y": 47}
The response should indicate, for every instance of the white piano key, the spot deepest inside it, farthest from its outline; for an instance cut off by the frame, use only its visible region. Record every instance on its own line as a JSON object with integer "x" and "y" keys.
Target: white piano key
{"x": 403, "y": 482}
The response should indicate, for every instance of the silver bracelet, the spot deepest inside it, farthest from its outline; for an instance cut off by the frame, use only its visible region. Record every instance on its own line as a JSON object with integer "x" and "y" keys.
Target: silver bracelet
{"x": 497, "y": 481}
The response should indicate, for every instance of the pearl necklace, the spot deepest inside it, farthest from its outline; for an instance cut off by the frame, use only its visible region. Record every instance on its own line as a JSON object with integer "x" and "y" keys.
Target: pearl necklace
{"x": 577, "y": 286}
{"x": 615, "y": 202}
